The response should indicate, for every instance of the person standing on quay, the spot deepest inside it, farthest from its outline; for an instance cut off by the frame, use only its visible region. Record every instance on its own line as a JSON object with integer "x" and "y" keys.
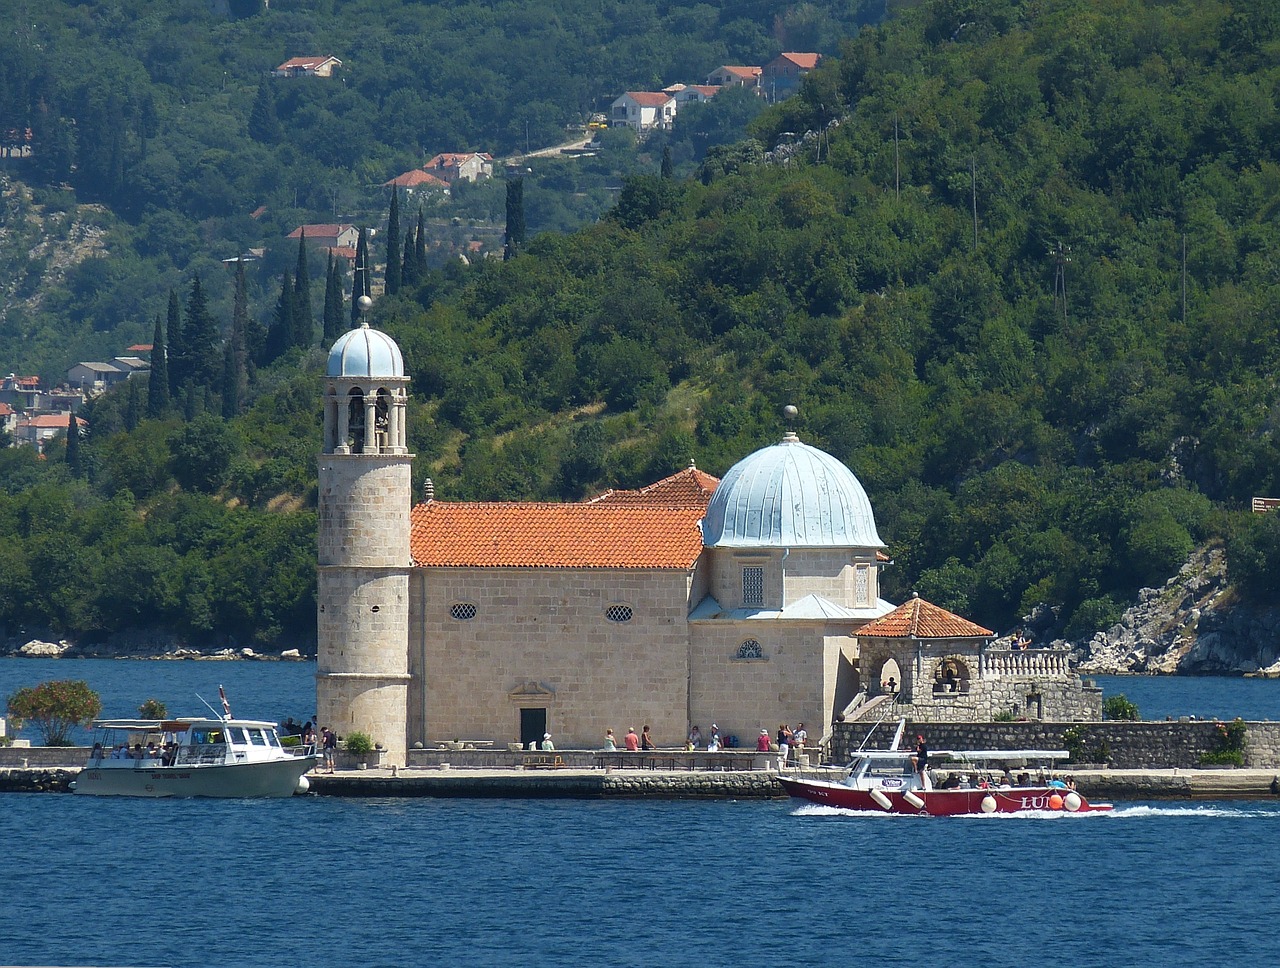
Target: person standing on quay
{"x": 784, "y": 744}
{"x": 632, "y": 740}
{"x": 646, "y": 741}
{"x": 330, "y": 749}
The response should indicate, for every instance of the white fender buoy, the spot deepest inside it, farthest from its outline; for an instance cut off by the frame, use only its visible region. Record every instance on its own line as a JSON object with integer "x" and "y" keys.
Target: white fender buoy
{"x": 303, "y": 785}
{"x": 881, "y": 800}
{"x": 988, "y": 804}
{"x": 1072, "y": 801}
{"x": 914, "y": 800}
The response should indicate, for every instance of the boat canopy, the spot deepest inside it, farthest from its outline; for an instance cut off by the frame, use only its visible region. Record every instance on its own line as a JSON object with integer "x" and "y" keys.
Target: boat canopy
{"x": 178, "y": 725}
{"x": 900, "y": 755}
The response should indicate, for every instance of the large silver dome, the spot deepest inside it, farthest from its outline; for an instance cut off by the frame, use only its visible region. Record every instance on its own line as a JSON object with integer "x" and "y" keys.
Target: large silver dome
{"x": 789, "y": 495}
{"x": 365, "y": 352}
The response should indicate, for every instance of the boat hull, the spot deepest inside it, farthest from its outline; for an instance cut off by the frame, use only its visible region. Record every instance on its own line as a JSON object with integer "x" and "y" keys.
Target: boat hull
{"x": 938, "y": 803}
{"x": 272, "y": 778}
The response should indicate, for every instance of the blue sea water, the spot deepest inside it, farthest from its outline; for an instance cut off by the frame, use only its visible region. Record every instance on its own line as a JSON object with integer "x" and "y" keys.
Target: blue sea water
{"x": 320, "y": 881}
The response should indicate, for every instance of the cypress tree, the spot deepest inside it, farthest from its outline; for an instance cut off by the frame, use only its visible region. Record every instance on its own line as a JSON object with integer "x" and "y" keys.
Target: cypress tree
{"x": 158, "y": 382}
{"x": 132, "y": 406}
{"x": 515, "y": 217}
{"x": 304, "y": 326}
{"x": 178, "y": 361}
{"x": 332, "y": 301}
{"x": 264, "y": 126}
{"x": 409, "y": 267}
{"x": 280, "y": 335}
{"x": 73, "y": 444}
{"x": 666, "y": 161}
{"x": 204, "y": 349}
{"x": 393, "y": 244}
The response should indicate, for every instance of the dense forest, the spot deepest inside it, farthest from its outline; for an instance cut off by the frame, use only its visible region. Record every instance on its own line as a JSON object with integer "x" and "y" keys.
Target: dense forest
{"x": 1012, "y": 261}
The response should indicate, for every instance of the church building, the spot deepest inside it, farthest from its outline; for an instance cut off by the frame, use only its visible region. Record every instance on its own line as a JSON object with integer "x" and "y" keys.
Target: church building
{"x": 733, "y": 603}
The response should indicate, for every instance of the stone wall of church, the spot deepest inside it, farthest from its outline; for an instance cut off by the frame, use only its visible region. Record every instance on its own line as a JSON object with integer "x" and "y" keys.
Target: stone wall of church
{"x": 550, "y": 628}
{"x": 788, "y": 683}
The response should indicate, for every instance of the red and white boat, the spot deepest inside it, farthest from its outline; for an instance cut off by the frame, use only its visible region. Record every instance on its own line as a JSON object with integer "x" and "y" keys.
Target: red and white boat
{"x": 886, "y": 781}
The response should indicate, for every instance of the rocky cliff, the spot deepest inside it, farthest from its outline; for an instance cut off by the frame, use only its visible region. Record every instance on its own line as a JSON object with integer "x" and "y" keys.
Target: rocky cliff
{"x": 1192, "y": 626}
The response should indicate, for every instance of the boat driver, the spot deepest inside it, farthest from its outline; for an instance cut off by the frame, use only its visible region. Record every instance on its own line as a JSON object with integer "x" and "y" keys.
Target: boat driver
{"x": 920, "y": 761}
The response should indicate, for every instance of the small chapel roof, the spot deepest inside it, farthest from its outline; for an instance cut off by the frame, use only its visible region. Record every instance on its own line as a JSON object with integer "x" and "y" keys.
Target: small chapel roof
{"x": 918, "y": 619}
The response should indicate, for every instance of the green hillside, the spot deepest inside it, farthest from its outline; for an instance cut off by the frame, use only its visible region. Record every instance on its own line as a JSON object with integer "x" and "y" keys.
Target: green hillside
{"x": 1021, "y": 282}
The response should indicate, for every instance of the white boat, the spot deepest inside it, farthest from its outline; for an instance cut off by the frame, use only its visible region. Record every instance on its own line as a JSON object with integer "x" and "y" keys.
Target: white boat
{"x": 192, "y": 757}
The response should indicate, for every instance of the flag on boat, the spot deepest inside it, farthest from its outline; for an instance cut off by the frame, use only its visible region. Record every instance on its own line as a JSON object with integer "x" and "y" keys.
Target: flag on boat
{"x": 226, "y": 706}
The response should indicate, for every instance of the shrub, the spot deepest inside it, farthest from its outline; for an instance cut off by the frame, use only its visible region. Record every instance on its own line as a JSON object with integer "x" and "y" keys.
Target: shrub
{"x": 153, "y": 709}
{"x": 358, "y": 743}
{"x": 55, "y": 707}
{"x": 1119, "y": 707}
{"x": 1230, "y": 745}
{"x": 1004, "y": 716}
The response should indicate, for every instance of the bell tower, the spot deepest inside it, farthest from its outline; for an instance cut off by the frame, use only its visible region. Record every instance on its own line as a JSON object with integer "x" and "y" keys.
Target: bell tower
{"x": 362, "y": 662}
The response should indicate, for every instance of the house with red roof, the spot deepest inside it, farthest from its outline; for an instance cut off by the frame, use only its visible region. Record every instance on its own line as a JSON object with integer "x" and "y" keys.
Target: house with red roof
{"x": 328, "y": 236}
{"x": 313, "y": 66}
{"x": 736, "y": 76}
{"x": 469, "y": 166}
{"x": 694, "y": 94}
{"x": 39, "y": 429}
{"x": 417, "y": 180}
{"x": 782, "y": 75}
{"x": 643, "y": 110}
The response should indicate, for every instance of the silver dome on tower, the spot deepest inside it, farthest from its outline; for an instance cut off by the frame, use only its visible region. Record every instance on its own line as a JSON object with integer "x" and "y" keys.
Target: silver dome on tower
{"x": 365, "y": 352}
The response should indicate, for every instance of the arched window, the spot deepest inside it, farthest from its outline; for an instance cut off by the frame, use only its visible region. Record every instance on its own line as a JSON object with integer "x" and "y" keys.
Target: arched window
{"x": 750, "y": 649}
{"x": 618, "y": 613}
{"x": 462, "y": 611}
{"x": 355, "y": 420}
{"x": 382, "y": 420}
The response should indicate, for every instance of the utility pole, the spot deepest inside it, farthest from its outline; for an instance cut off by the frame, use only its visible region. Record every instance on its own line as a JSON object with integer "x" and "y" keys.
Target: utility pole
{"x": 1061, "y": 256}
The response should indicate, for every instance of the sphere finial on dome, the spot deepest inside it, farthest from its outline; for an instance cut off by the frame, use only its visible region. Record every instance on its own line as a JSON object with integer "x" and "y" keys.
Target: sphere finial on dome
{"x": 364, "y": 304}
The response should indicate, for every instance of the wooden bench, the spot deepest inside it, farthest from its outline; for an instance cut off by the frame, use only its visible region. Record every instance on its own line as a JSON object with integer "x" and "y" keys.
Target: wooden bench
{"x": 543, "y": 761}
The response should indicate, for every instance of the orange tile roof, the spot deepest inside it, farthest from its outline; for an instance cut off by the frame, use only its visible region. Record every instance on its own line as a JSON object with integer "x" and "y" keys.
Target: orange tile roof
{"x": 648, "y": 99}
{"x": 919, "y": 619}
{"x": 528, "y": 535}
{"x": 415, "y": 177}
{"x": 688, "y": 488}
{"x": 805, "y": 61}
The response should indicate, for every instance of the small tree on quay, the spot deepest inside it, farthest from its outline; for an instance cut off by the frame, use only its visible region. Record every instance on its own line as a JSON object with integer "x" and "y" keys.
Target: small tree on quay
{"x": 55, "y": 708}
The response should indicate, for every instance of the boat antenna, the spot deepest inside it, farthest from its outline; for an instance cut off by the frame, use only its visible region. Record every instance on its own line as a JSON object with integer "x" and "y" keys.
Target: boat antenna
{"x": 207, "y": 706}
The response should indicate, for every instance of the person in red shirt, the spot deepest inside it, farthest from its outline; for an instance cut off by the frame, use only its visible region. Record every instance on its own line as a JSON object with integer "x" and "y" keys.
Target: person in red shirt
{"x": 762, "y": 741}
{"x": 632, "y": 740}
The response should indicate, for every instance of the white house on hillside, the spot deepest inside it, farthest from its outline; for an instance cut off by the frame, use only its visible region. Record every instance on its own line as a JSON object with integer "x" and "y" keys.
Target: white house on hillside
{"x": 643, "y": 110}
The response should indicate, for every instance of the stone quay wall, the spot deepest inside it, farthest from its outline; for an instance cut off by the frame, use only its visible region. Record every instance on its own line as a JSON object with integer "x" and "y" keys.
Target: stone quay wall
{"x": 1120, "y": 745}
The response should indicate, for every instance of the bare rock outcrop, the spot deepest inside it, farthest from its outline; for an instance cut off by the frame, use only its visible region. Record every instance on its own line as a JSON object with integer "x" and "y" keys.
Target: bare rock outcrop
{"x": 1191, "y": 626}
